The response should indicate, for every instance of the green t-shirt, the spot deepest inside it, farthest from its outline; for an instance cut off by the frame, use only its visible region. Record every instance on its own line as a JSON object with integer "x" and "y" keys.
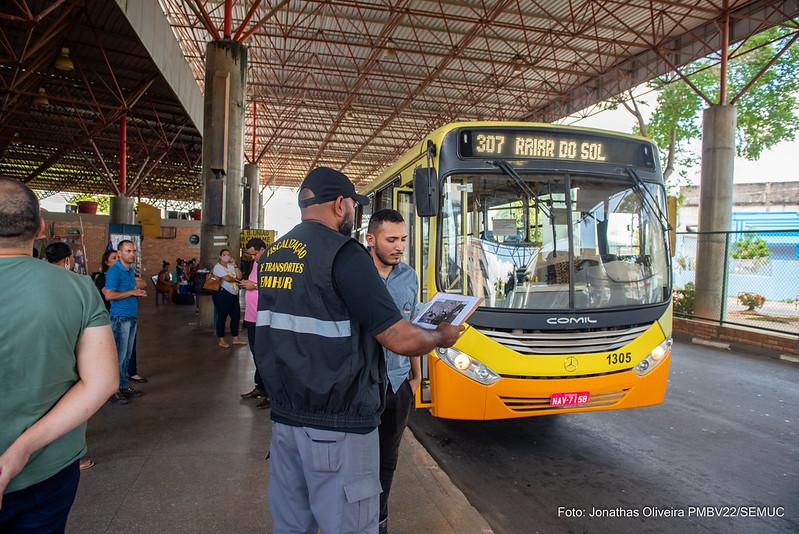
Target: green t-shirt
{"x": 43, "y": 311}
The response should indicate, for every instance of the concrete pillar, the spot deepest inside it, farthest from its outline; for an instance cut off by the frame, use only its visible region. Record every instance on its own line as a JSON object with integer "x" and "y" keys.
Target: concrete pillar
{"x": 122, "y": 210}
{"x": 252, "y": 179}
{"x": 715, "y": 208}
{"x": 223, "y": 155}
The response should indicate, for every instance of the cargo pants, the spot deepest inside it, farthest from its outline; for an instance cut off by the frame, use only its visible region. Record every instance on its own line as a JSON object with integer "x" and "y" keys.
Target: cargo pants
{"x": 323, "y": 479}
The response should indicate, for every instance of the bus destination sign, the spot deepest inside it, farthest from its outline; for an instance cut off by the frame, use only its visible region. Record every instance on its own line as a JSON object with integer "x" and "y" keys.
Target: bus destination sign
{"x": 537, "y": 144}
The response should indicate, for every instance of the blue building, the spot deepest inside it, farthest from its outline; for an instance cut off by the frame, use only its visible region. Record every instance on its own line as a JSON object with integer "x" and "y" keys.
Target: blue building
{"x": 779, "y": 229}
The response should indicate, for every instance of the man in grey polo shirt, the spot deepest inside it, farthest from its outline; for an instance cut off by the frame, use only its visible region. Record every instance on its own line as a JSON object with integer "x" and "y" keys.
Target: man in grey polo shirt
{"x": 386, "y": 236}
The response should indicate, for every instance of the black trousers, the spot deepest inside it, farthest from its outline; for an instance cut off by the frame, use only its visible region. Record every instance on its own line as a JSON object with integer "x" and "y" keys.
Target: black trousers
{"x": 42, "y": 508}
{"x": 259, "y": 383}
{"x": 392, "y": 425}
{"x": 227, "y": 304}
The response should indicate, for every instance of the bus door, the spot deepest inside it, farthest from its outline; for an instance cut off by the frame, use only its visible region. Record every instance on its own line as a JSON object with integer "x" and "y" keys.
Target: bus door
{"x": 404, "y": 203}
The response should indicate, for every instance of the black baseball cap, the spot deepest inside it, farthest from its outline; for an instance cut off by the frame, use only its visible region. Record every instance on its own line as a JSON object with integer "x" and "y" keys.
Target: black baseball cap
{"x": 255, "y": 243}
{"x": 328, "y": 184}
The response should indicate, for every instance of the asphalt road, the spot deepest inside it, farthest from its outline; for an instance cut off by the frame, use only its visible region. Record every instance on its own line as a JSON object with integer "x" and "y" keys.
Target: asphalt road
{"x": 726, "y": 438}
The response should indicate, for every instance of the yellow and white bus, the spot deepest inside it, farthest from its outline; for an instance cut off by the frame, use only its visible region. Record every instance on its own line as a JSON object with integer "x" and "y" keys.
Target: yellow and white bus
{"x": 564, "y": 233}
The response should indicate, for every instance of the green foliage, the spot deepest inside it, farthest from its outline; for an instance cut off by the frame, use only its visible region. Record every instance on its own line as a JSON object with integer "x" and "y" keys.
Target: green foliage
{"x": 767, "y": 114}
{"x": 675, "y": 116}
{"x": 751, "y": 300}
{"x": 103, "y": 201}
{"x": 750, "y": 248}
{"x": 685, "y": 263}
{"x": 685, "y": 300}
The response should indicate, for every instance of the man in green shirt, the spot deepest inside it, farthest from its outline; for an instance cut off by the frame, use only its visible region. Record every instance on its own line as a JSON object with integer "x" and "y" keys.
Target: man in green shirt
{"x": 58, "y": 365}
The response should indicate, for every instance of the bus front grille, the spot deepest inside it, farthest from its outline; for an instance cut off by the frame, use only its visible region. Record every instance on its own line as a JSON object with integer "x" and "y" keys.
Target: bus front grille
{"x": 541, "y": 404}
{"x": 569, "y": 342}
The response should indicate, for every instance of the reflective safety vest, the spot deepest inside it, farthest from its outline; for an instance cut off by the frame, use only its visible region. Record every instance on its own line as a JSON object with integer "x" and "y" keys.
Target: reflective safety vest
{"x": 320, "y": 369}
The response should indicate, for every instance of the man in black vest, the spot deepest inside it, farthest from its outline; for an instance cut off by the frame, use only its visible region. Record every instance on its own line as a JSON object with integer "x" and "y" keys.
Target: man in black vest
{"x": 323, "y": 314}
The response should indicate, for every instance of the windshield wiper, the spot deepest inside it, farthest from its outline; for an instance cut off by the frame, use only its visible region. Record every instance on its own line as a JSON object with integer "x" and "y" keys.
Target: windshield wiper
{"x": 649, "y": 200}
{"x": 520, "y": 183}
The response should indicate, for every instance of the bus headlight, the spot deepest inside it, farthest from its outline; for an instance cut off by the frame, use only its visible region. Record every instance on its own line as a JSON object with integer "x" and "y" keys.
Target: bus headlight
{"x": 467, "y": 366}
{"x": 653, "y": 358}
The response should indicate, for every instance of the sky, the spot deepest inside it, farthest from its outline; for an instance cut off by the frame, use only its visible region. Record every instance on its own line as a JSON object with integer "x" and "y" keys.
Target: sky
{"x": 775, "y": 165}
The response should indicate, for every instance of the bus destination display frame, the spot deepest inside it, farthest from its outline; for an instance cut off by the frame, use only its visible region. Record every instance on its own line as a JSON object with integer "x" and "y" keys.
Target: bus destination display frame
{"x": 552, "y": 145}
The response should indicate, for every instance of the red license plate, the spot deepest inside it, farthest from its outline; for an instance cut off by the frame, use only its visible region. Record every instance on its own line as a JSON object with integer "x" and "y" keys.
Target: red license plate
{"x": 572, "y": 398}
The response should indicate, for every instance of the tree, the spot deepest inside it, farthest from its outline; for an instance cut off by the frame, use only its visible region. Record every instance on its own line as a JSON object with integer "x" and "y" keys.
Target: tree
{"x": 768, "y": 112}
{"x": 674, "y": 123}
{"x": 630, "y": 102}
{"x": 103, "y": 201}
{"x": 750, "y": 248}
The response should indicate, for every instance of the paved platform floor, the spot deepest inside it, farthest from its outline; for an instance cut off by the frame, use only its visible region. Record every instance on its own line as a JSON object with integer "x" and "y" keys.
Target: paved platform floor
{"x": 189, "y": 456}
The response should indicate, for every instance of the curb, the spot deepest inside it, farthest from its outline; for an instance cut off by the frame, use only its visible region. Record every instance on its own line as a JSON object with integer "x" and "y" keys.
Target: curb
{"x": 735, "y": 347}
{"x": 708, "y": 343}
{"x": 443, "y": 493}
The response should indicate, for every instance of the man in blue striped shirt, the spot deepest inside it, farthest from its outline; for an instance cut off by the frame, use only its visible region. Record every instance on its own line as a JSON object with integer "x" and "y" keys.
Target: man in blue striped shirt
{"x": 387, "y": 236}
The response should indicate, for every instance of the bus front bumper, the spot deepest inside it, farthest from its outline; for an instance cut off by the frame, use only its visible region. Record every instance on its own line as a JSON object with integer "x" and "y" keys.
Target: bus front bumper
{"x": 455, "y": 396}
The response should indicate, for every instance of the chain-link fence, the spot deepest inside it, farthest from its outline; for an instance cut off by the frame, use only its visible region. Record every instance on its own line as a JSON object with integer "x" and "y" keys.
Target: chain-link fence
{"x": 761, "y": 282}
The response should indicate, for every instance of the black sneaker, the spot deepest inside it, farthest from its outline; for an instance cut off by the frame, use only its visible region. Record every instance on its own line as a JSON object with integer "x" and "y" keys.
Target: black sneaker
{"x": 118, "y": 398}
{"x": 129, "y": 392}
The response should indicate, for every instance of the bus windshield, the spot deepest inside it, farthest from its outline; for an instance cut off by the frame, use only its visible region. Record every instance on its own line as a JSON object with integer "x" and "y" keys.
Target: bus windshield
{"x": 552, "y": 242}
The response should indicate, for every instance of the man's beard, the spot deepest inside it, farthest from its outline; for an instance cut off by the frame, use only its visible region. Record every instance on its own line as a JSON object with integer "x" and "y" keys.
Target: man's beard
{"x": 345, "y": 228}
{"x": 386, "y": 259}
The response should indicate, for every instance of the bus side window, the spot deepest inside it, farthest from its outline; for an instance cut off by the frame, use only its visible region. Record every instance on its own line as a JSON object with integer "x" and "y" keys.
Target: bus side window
{"x": 404, "y": 204}
{"x": 362, "y": 216}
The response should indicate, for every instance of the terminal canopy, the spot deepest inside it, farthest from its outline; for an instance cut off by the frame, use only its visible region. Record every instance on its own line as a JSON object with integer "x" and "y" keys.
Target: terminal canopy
{"x": 352, "y": 84}
{"x": 69, "y": 71}
{"x": 345, "y": 83}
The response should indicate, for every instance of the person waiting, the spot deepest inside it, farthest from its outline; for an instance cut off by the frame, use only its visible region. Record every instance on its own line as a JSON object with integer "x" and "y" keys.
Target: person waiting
{"x": 109, "y": 259}
{"x": 165, "y": 287}
{"x": 56, "y": 332}
{"x": 191, "y": 275}
{"x": 226, "y": 300}
{"x": 59, "y": 254}
{"x": 180, "y": 271}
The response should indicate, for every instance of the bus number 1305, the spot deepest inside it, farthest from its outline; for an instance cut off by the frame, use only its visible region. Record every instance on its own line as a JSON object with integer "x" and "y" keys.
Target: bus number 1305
{"x": 619, "y": 357}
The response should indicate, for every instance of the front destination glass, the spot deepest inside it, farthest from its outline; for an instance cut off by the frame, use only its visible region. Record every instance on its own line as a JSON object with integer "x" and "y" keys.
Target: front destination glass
{"x": 553, "y": 242}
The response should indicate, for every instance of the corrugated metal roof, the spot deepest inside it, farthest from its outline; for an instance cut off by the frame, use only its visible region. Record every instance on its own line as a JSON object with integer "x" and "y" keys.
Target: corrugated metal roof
{"x": 439, "y": 61}
{"x": 49, "y": 146}
{"x": 346, "y": 83}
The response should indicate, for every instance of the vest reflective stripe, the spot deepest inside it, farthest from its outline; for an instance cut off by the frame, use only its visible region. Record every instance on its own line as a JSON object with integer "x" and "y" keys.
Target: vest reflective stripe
{"x": 303, "y": 325}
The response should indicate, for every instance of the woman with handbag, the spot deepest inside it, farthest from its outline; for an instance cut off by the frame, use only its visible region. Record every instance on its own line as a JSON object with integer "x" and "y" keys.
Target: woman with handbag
{"x": 226, "y": 300}
{"x": 165, "y": 287}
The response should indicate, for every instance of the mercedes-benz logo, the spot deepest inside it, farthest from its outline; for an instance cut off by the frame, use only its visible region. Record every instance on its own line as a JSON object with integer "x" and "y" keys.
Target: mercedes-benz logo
{"x": 570, "y": 364}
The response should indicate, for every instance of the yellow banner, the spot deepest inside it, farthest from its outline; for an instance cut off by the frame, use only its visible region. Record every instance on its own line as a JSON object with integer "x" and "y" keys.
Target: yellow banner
{"x": 149, "y": 217}
{"x": 268, "y": 236}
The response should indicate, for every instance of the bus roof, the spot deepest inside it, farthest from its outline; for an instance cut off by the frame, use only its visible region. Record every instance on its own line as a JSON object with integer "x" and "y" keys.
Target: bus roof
{"x": 418, "y": 150}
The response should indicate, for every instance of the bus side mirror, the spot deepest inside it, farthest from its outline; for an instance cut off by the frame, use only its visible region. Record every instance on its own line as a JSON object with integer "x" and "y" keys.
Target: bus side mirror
{"x": 425, "y": 191}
